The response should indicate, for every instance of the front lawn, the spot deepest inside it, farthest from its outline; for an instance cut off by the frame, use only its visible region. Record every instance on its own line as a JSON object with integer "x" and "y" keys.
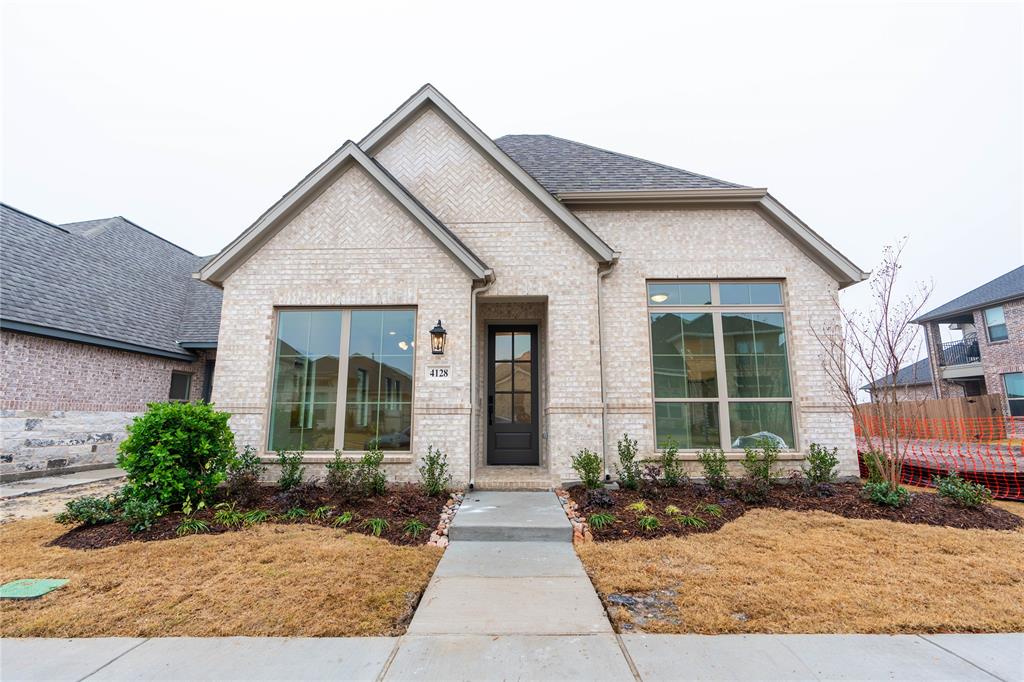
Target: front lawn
{"x": 268, "y": 580}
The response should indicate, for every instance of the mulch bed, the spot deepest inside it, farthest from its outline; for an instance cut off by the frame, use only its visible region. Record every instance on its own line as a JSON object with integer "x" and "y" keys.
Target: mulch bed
{"x": 846, "y": 501}
{"x": 396, "y": 506}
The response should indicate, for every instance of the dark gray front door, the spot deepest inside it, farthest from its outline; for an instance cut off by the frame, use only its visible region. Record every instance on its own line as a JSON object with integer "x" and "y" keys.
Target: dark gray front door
{"x": 512, "y": 395}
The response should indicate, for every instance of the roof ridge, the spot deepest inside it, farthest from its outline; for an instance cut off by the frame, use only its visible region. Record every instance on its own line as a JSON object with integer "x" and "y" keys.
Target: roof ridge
{"x": 136, "y": 226}
{"x": 34, "y": 217}
{"x": 635, "y": 158}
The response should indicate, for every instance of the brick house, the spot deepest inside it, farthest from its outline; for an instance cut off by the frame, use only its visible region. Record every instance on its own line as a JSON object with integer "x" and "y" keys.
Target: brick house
{"x": 913, "y": 382}
{"x": 989, "y": 358}
{"x": 97, "y": 319}
{"x": 581, "y": 293}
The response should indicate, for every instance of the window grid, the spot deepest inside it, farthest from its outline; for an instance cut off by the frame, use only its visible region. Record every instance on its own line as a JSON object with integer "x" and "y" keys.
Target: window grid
{"x": 995, "y": 324}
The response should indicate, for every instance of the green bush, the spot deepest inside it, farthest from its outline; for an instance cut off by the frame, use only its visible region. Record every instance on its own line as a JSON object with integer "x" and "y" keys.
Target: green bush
{"x": 875, "y": 463}
{"x": 244, "y": 473}
{"x": 371, "y": 473}
{"x": 671, "y": 466}
{"x": 343, "y": 477}
{"x": 292, "y": 471}
{"x": 141, "y": 512}
{"x": 589, "y": 466}
{"x": 716, "y": 473}
{"x": 821, "y": 464}
{"x": 628, "y": 467}
{"x": 92, "y": 511}
{"x": 882, "y": 493}
{"x": 759, "y": 466}
{"x": 434, "y": 473}
{"x": 176, "y": 451}
{"x": 963, "y": 492}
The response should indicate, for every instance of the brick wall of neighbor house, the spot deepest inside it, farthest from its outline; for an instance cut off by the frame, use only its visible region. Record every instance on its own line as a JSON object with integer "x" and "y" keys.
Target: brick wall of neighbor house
{"x": 66, "y": 404}
{"x": 1002, "y": 357}
{"x": 712, "y": 244}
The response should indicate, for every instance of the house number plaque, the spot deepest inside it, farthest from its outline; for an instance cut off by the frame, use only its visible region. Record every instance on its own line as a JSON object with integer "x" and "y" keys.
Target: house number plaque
{"x": 439, "y": 373}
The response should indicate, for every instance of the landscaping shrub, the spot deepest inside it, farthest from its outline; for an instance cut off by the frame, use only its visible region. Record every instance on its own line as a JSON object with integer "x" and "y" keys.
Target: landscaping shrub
{"x": 628, "y": 467}
{"x": 305, "y": 494}
{"x": 821, "y": 465}
{"x": 872, "y": 460}
{"x": 343, "y": 477}
{"x": 716, "y": 472}
{"x": 371, "y": 473}
{"x": 292, "y": 471}
{"x": 601, "y": 520}
{"x": 414, "y": 527}
{"x": 191, "y": 526}
{"x": 599, "y": 497}
{"x": 759, "y": 466}
{"x": 176, "y": 451}
{"x": 588, "y": 465}
{"x": 92, "y": 511}
{"x": 141, "y": 512}
{"x": 434, "y": 473}
{"x": 671, "y": 467}
{"x": 963, "y": 492}
{"x": 244, "y": 474}
{"x": 885, "y": 494}
{"x": 376, "y": 526}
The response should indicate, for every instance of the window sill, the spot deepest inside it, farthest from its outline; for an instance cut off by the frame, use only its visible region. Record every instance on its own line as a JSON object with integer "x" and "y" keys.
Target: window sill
{"x": 353, "y": 456}
{"x": 731, "y": 455}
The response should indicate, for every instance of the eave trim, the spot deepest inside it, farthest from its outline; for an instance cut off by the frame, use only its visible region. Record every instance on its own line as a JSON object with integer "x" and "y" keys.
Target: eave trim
{"x": 90, "y": 339}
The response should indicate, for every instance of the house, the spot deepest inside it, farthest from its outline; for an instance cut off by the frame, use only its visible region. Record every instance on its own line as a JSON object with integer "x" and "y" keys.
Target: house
{"x": 513, "y": 301}
{"x": 989, "y": 356}
{"x": 97, "y": 319}
{"x": 913, "y": 382}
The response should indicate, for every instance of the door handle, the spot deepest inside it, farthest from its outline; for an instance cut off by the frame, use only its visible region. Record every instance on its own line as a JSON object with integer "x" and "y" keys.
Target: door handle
{"x": 490, "y": 409}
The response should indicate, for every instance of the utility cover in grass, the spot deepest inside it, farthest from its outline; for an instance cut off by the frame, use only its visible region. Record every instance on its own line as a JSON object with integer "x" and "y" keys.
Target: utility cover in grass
{"x": 30, "y": 588}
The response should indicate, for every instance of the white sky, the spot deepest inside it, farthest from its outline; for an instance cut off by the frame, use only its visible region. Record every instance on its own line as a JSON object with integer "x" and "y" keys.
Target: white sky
{"x": 870, "y": 121}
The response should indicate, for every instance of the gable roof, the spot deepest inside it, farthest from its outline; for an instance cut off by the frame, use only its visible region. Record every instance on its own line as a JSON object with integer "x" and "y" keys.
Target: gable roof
{"x": 912, "y": 375}
{"x": 235, "y": 253}
{"x": 429, "y": 95}
{"x": 106, "y": 282}
{"x": 562, "y": 165}
{"x": 1006, "y": 287}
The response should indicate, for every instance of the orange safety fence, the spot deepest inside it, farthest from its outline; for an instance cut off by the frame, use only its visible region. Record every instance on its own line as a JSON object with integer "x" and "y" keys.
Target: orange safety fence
{"x": 988, "y": 450}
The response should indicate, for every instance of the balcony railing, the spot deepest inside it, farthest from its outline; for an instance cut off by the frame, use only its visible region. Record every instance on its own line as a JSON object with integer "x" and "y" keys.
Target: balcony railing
{"x": 962, "y": 352}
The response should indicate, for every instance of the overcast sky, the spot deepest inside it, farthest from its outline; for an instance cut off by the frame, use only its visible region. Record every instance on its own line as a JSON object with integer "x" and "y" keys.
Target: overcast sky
{"x": 869, "y": 121}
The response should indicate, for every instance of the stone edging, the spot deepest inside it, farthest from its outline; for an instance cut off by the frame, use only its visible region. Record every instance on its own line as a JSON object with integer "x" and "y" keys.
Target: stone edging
{"x": 439, "y": 537}
{"x": 580, "y": 529}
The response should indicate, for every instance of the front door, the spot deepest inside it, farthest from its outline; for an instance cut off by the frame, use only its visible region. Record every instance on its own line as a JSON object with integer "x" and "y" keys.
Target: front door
{"x": 512, "y": 434}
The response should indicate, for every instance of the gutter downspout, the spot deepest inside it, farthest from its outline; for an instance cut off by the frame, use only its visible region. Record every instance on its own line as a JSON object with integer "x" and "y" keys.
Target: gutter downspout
{"x": 488, "y": 282}
{"x": 603, "y": 270}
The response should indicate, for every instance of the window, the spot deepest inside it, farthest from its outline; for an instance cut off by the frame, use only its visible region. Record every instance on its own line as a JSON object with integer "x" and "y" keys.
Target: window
{"x": 361, "y": 360}
{"x": 181, "y": 387}
{"x": 995, "y": 323}
{"x": 719, "y": 363}
{"x": 1015, "y": 393}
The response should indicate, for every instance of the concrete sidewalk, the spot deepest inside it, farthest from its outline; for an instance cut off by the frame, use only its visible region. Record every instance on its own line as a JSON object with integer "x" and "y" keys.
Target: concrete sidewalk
{"x": 518, "y": 657}
{"x": 45, "y": 484}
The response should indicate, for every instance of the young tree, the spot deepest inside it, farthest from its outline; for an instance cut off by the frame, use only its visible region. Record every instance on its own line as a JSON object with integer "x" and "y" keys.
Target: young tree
{"x": 865, "y": 347}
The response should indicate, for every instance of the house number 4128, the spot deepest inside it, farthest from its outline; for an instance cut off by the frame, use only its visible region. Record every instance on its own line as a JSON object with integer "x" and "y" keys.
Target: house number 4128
{"x": 439, "y": 373}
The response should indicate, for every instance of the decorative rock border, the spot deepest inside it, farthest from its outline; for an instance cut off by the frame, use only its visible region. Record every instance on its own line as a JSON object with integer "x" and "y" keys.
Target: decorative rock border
{"x": 440, "y": 536}
{"x": 580, "y": 529}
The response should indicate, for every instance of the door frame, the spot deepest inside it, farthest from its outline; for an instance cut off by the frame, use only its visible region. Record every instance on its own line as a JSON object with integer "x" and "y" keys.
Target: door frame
{"x": 535, "y": 379}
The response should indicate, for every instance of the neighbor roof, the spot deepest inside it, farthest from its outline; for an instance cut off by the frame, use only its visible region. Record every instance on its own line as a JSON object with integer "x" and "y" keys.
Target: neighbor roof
{"x": 1003, "y": 288}
{"x": 107, "y": 282}
{"x": 562, "y": 165}
{"x": 912, "y": 375}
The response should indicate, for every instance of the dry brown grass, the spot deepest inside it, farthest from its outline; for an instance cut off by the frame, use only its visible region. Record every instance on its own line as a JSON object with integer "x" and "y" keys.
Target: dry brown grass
{"x": 811, "y": 572}
{"x": 273, "y": 580}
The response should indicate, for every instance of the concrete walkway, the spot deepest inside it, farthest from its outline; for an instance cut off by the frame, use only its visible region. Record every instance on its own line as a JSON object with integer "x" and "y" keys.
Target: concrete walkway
{"x": 44, "y": 484}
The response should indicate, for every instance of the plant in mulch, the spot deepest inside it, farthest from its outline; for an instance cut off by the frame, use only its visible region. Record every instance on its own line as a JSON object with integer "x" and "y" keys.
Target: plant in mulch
{"x": 176, "y": 451}
{"x": 372, "y": 474}
{"x": 305, "y": 494}
{"x": 599, "y": 498}
{"x": 648, "y": 523}
{"x": 671, "y": 466}
{"x": 321, "y": 513}
{"x": 710, "y": 509}
{"x": 434, "y": 473}
{"x": 92, "y": 511}
{"x": 588, "y": 465}
{"x": 651, "y": 477}
{"x": 886, "y": 494}
{"x": 376, "y": 526}
{"x": 342, "y": 519}
{"x": 601, "y": 520}
{"x": 244, "y": 474}
{"x": 190, "y": 525}
{"x": 228, "y": 514}
{"x": 292, "y": 471}
{"x": 639, "y": 507}
{"x": 964, "y": 493}
{"x": 255, "y": 517}
{"x": 343, "y": 478}
{"x": 628, "y": 467}
{"x": 294, "y": 514}
{"x": 712, "y": 461}
{"x": 413, "y": 528}
{"x": 759, "y": 467}
{"x": 821, "y": 465}
{"x": 140, "y": 513}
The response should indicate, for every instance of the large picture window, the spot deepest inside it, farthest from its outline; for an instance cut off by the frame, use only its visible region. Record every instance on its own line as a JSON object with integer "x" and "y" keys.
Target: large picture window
{"x": 720, "y": 364}
{"x": 360, "y": 360}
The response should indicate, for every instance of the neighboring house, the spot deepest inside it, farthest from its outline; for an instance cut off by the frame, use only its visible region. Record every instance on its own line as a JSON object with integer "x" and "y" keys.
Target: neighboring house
{"x": 97, "y": 319}
{"x": 583, "y": 294}
{"x": 989, "y": 359}
{"x": 913, "y": 382}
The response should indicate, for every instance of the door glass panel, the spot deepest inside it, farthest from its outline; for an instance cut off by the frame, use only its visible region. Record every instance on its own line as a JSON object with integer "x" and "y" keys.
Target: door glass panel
{"x": 503, "y": 376}
{"x": 521, "y": 346}
{"x": 523, "y": 407}
{"x": 523, "y": 379}
{"x": 503, "y": 408}
{"x": 503, "y": 346}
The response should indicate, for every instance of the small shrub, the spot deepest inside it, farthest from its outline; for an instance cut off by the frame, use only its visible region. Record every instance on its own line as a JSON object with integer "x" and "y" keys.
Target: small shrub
{"x": 321, "y": 513}
{"x": 671, "y": 467}
{"x": 434, "y": 473}
{"x": 292, "y": 471}
{"x": 91, "y": 511}
{"x": 601, "y": 520}
{"x": 716, "y": 472}
{"x": 371, "y": 473}
{"x": 963, "y": 492}
{"x": 639, "y": 507}
{"x": 190, "y": 525}
{"x": 598, "y": 498}
{"x": 710, "y": 509}
{"x": 295, "y": 514}
{"x": 875, "y": 462}
{"x": 176, "y": 451}
{"x": 882, "y": 493}
{"x": 648, "y": 523}
{"x": 142, "y": 512}
{"x": 305, "y": 494}
{"x": 759, "y": 465}
{"x": 255, "y": 517}
{"x": 691, "y": 521}
{"x": 343, "y": 477}
{"x": 244, "y": 474}
{"x": 376, "y": 526}
{"x": 342, "y": 519}
{"x": 651, "y": 475}
{"x": 673, "y": 510}
{"x": 412, "y": 528}
{"x": 227, "y": 514}
{"x": 628, "y": 467}
{"x": 589, "y": 466}
{"x": 821, "y": 465}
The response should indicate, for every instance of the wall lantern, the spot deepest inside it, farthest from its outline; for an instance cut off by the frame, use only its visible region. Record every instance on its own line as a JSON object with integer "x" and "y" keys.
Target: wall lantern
{"x": 437, "y": 336}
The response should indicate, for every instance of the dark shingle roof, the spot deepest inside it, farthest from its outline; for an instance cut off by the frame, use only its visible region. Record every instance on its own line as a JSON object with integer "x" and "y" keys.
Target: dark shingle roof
{"x": 565, "y": 166}
{"x": 106, "y": 278}
{"x": 912, "y": 375}
{"x": 1003, "y": 288}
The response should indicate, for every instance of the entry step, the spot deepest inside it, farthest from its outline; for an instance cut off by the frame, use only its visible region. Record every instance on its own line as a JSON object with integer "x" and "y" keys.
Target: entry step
{"x": 510, "y": 516}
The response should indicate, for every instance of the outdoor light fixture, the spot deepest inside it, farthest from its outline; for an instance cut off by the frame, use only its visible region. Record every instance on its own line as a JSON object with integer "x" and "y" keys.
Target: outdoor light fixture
{"x": 437, "y": 336}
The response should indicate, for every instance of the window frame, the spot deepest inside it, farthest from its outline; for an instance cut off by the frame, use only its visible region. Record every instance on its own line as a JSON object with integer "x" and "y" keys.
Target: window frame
{"x": 188, "y": 387}
{"x": 341, "y": 405}
{"x": 716, "y": 308}
{"x": 988, "y": 327}
{"x": 1006, "y": 393}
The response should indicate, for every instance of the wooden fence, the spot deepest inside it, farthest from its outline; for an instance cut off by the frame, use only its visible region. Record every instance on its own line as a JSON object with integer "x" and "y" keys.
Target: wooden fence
{"x": 979, "y": 418}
